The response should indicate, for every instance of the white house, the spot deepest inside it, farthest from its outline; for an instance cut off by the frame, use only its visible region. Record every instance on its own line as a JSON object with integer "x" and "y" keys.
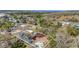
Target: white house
{"x": 2, "y": 14}
{"x": 65, "y": 23}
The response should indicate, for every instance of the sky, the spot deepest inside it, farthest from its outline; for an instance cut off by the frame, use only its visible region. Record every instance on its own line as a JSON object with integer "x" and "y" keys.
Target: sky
{"x": 39, "y": 4}
{"x": 39, "y": 0}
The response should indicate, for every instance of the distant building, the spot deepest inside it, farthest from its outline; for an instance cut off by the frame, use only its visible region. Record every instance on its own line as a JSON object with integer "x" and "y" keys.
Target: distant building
{"x": 65, "y": 23}
{"x": 2, "y": 14}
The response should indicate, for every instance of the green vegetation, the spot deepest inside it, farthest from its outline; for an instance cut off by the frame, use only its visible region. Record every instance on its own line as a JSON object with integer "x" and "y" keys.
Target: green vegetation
{"x": 72, "y": 31}
{"x": 14, "y": 42}
{"x": 47, "y": 23}
{"x": 2, "y": 37}
{"x": 73, "y": 19}
{"x": 49, "y": 28}
{"x": 19, "y": 44}
{"x": 6, "y": 25}
{"x": 52, "y": 42}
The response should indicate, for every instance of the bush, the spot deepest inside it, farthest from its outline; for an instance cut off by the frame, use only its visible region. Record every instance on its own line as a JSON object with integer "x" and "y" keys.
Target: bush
{"x": 52, "y": 43}
{"x": 6, "y": 25}
{"x": 19, "y": 44}
{"x": 72, "y": 31}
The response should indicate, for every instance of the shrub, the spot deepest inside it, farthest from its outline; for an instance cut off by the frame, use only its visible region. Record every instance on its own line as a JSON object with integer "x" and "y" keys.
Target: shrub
{"x": 72, "y": 31}
{"x": 19, "y": 44}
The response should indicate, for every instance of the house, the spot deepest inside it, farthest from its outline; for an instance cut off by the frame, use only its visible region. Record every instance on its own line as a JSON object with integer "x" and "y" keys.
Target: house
{"x": 40, "y": 40}
{"x": 2, "y": 14}
{"x": 66, "y": 22}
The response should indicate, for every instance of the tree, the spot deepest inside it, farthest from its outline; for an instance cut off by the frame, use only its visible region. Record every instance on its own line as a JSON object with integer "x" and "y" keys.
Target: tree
{"x": 72, "y": 31}
{"x": 19, "y": 44}
{"x": 52, "y": 42}
{"x": 6, "y": 25}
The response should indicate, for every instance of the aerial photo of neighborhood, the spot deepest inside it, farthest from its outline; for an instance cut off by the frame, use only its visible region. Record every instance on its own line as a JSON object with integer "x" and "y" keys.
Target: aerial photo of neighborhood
{"x": 39, "y": 28}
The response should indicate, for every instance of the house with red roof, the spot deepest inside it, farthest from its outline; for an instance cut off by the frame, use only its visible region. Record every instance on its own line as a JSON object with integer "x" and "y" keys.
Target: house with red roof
{"x": 40, "y": 39}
